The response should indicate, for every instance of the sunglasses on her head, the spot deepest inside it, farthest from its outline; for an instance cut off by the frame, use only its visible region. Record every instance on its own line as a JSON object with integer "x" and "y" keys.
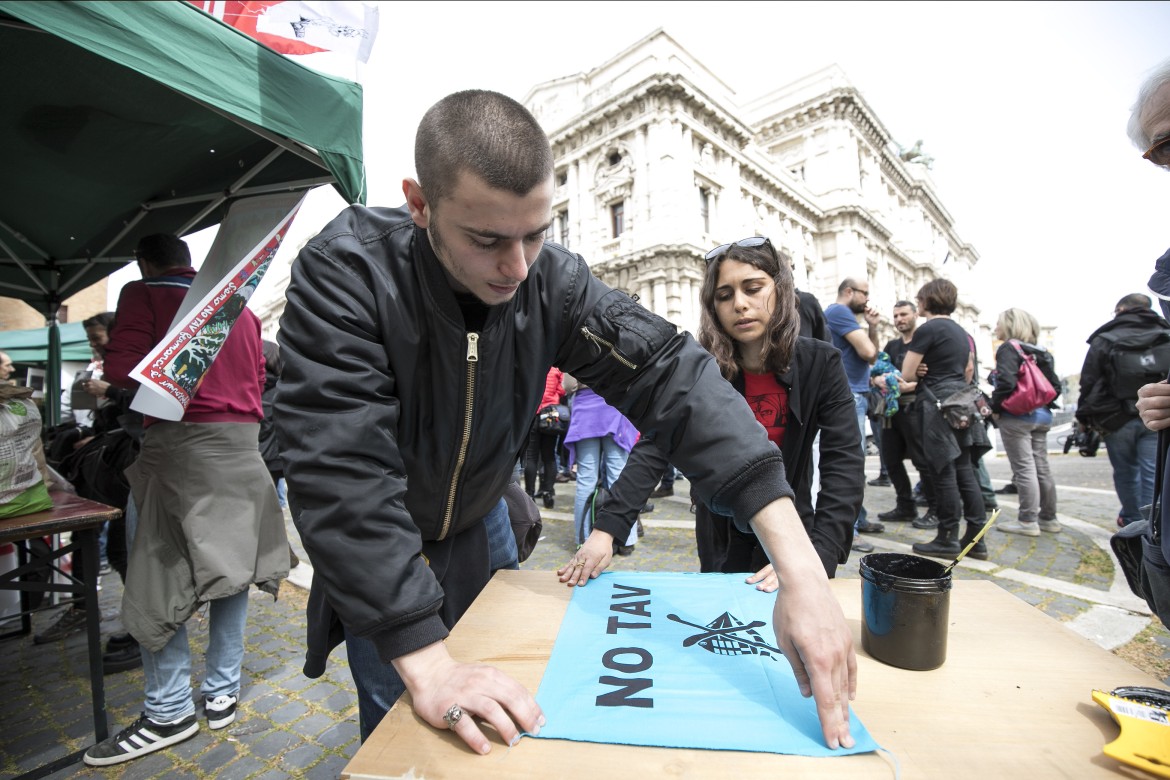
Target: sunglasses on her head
{"x": 747, "y": 243}
{"x": 1159, "y": 153}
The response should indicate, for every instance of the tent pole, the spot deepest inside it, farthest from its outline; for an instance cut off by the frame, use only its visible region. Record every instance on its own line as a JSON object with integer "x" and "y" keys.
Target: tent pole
{"x": 53, "y": 373}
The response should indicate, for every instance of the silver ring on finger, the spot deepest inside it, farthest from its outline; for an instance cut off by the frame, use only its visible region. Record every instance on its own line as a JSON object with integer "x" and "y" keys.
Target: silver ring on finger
{"x": 452, "y": 715}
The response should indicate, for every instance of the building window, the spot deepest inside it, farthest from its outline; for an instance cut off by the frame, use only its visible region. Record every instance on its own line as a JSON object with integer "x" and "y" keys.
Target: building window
{"x": 615, "y": 158}
{"x": 558, "y": 229}
{"x": 62, "y": 314}
{"x": 617, "y": 217}
{"x": 705, "y": 208}
{"x": 562, "y": 179}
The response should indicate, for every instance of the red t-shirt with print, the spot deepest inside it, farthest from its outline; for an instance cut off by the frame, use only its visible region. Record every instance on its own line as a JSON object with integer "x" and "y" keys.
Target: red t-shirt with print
{"x": 769, "y": 400}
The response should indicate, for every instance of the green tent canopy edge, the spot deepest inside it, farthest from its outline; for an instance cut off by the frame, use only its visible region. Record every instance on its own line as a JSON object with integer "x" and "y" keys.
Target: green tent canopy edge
{"x": 31, "y": 347}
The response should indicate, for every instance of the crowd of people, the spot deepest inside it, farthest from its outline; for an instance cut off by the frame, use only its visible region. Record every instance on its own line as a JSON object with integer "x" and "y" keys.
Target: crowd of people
{"x": 765, "y": 415}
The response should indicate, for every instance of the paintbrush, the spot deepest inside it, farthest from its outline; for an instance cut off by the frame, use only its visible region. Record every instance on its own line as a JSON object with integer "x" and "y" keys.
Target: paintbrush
{"x": 971, "y": 544}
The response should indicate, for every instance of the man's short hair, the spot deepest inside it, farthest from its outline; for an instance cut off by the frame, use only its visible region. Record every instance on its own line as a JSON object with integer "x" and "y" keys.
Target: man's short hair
{"x": 939, "y": 296}
{"x": 1159, "y": 77}
{"x": 848, "y": 283}
{"x": 484, "y": 133}
{"x": 1133, "y": 301}
{"x": 911, "y": 305}
{"x": 163, "y": 250}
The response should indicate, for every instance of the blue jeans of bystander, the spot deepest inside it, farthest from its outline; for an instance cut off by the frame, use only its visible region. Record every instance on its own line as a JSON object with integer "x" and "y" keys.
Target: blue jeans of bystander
{"x": 167, "y": 673}
{"x": 1133, "y": 452}
{"x": 861, "y": 403}
{"x": 595, "y": 458}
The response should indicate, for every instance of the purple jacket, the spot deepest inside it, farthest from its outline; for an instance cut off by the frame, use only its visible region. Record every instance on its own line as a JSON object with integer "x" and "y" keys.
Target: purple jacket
{"x": 593, "y": 418}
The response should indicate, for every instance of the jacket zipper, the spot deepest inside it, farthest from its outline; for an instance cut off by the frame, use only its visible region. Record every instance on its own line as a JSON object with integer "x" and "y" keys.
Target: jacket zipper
{"x": 472, "y": 361}
{"x": 600, "y": 342}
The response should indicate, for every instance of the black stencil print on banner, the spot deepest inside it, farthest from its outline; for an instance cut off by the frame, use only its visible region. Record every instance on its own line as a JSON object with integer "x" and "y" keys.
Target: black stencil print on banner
{"x": 728, "y": 635}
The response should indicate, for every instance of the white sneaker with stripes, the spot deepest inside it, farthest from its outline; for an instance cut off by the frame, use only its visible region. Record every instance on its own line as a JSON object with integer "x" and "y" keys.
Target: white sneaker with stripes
{"x": 141, "y": 737}
{"x": 221, "y": 710}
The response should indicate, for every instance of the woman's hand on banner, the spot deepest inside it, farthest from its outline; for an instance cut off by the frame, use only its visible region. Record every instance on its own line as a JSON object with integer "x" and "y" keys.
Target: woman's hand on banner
{"x": 590, "y": 560}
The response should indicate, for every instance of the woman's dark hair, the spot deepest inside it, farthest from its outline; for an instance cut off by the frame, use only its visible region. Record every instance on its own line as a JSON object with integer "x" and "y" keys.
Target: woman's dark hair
{"x": 938, "y": 296}
{"x": 103, "y": 320}
{"x": 272, "y": 362}
{"x": 783, "y": 327}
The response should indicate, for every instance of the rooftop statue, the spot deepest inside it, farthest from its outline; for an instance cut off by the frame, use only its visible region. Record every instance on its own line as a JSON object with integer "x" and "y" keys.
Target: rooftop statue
{"x": 915, "y": 154}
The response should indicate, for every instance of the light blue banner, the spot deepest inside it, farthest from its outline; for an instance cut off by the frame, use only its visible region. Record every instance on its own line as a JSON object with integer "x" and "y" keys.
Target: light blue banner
{"x": 678, "y": 660}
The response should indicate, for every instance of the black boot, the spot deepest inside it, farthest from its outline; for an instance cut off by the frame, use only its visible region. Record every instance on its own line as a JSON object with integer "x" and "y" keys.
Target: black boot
{"x": 979, "y": 551}
{"x": 944, "y": 545}
{"x": 900, "y": 512}
{"x": 549, "y": 499}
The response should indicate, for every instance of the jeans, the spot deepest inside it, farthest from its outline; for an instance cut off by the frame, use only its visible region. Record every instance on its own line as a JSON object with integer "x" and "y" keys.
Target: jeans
{"x": 167, "y": 673}
{"x": 378, "y": 684}
{"x": 1025, "y": 440}
{"x": 861, "y": 404}
{"x": 502, "y": 550}
{"x": 595, "y": 457}
{"x": 1133, "y": 452}
{"x": 282, "y": 493}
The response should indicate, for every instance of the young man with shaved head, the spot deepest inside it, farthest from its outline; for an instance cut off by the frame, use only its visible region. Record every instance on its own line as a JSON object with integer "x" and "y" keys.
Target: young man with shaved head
{"x": 416, "y": 342}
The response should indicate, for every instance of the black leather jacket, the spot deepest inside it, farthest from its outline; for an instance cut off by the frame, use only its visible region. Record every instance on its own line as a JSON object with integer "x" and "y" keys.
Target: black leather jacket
{"x": 819, "y": 401}
{"x": 397, "y": 426}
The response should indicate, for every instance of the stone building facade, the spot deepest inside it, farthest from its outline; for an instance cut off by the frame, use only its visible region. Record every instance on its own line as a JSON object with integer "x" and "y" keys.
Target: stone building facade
{"x": 657, "y": 162}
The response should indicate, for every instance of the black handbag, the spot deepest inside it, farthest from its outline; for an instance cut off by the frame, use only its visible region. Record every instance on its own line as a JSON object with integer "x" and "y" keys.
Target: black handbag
{"x": 964, "y": 408}
{"x": 553, "y": 418}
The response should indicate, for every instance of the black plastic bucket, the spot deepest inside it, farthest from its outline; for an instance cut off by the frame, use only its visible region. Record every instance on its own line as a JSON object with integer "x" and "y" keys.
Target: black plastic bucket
{"x": 905, "y": 602}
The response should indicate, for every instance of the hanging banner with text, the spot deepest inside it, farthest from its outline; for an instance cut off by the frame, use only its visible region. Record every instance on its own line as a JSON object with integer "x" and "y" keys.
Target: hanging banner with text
{"x": 247, "y": 241}
{"x": 678, "y": 660}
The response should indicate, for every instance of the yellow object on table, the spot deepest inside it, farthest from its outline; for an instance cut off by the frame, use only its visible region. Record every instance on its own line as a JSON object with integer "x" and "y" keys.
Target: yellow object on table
{"x": 1144, "y": 741}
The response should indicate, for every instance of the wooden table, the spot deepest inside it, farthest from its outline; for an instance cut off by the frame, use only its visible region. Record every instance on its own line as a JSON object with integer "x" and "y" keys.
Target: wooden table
{"x": 82, "y": 518}
{"x": 1011, "y": 701}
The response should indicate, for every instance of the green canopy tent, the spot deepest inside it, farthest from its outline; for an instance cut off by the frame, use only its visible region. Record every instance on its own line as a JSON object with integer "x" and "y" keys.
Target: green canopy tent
{"x": 121, "y": 119}
{"x": 31, "y": 347}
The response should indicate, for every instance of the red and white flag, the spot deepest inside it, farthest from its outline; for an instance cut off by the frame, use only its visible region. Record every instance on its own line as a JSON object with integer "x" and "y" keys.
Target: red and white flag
{"x": 331, "y": 36}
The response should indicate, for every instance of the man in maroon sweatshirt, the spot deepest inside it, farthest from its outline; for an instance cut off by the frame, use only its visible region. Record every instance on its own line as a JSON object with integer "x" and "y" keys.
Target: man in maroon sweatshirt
{"x": 203, "y": 523}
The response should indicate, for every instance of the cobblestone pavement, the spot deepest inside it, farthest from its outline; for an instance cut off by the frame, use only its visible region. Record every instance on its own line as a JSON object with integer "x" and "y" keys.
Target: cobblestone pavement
{"x": 293, "y": 727}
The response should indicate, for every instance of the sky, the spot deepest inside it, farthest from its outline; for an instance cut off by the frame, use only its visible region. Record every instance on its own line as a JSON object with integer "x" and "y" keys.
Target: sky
{"x": 1022, "y": 105}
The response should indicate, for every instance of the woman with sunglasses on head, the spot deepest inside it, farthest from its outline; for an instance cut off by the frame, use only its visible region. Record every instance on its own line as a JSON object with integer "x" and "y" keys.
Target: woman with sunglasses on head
{"x": 795, "y": 385}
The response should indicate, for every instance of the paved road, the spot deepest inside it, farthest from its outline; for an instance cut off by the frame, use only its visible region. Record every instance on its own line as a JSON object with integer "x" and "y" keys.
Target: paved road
{"x": 293, "y": 727}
